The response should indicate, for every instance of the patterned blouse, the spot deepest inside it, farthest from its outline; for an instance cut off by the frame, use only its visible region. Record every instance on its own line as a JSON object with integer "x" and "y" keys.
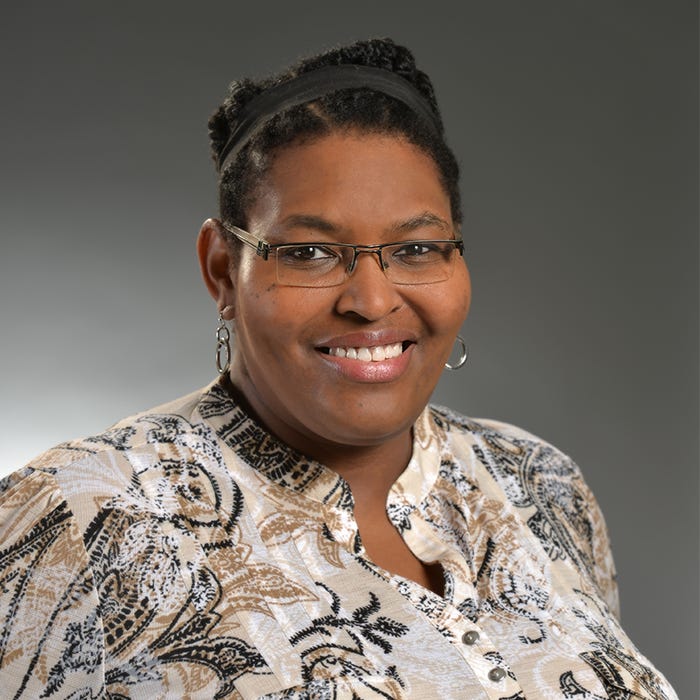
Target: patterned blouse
{"x": 187, "y": 553}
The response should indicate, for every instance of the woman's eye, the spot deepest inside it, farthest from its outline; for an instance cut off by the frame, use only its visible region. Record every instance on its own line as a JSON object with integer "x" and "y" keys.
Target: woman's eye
{"x": 306, "y": 253}
{"x": 416, "y": 249}
{"x": 413, "y": 253}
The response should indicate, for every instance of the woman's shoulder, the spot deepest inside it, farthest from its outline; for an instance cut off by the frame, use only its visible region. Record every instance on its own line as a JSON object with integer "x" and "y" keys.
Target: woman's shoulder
{"x": 139, "y": 429}
{"x": 127, "y": 433}
{"x": 488, "y": 428}
{"x": 85, "y": 470}
{"x": 518, "y": 460}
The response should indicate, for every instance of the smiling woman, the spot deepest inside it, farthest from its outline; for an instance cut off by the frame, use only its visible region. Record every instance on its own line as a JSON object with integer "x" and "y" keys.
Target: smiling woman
{"x": 307, "y": 525}
{"x": 346, "y": 187}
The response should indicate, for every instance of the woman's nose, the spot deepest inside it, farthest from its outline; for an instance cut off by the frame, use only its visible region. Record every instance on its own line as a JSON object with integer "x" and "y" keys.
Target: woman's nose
{"x": 367, "y": 292}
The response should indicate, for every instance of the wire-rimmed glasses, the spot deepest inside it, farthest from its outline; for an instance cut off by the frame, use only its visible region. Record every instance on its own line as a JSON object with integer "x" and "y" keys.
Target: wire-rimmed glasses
{"x": 326, "y": 264}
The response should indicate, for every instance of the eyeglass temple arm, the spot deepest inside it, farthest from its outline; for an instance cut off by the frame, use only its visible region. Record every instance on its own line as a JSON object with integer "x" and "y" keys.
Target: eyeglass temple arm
{"x": 262, "y": 248}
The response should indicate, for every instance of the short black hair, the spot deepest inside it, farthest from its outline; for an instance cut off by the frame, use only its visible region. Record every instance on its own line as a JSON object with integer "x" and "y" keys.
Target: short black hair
{"x": 354, "y": 109}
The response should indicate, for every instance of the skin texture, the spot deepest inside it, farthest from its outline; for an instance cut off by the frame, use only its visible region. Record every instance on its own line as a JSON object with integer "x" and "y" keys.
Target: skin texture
{"x": 355, "y": 188}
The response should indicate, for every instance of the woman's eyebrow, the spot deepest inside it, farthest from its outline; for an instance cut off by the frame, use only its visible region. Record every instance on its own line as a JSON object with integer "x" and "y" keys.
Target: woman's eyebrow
{"x": 318, "y": 223}
{"x": 309, "y": 221}
{"x": 419, "y": 221}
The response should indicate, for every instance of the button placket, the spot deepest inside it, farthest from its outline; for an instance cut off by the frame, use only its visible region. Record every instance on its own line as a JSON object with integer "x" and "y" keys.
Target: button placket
{"x": 486, "y": 663}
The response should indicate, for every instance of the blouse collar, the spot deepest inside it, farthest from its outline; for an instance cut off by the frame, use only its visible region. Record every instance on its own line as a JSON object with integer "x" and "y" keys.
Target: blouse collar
{"x": 288, "y": 468}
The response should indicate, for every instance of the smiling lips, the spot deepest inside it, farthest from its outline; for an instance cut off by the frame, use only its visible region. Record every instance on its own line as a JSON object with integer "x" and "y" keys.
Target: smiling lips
{"x": 369, "y": 363}
{"x": 376, "y": 353}
{"x": 374, "y": 357}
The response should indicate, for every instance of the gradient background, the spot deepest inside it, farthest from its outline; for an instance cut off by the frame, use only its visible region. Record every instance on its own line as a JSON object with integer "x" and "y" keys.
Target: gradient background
{"x": 576, "y": 126}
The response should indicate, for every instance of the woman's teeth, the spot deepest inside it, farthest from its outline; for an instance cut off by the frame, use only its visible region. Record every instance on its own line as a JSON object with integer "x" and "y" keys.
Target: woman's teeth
{"x": 374, "y": 354}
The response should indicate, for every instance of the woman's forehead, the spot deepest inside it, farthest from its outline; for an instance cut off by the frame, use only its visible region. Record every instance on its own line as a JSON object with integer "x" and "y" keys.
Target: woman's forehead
{"x": 339, "y": 178}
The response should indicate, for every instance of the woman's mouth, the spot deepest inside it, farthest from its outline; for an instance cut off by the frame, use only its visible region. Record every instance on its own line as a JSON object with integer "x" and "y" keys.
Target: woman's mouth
{"x": 369, "y": 357}
{"x": 374, "y": 353}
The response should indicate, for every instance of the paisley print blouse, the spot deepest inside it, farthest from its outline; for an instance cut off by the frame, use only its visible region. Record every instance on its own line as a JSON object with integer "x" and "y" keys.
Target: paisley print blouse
{"x": 187, "y": 553}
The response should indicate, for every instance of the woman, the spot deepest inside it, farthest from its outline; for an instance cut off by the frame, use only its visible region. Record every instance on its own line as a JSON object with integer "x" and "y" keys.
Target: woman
{"x": 306, "y": 526}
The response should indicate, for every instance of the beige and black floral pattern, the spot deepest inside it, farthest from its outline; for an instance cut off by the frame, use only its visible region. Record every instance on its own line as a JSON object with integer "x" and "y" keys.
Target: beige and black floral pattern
{"x": 187, "y": 553}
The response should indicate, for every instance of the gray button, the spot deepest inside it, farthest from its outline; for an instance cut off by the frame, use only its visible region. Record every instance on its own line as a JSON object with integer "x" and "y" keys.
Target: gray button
{"x": 470, "y": 637}
{"x": 497, "y": 674}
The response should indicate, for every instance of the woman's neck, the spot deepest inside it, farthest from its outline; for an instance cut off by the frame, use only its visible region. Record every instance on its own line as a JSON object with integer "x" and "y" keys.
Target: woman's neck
{"x": 370, "y": 470}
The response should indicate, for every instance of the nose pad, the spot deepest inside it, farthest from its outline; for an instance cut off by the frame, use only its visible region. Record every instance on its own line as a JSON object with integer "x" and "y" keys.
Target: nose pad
{"x": 367, "y": 291}
{"x": 353, "y": 263}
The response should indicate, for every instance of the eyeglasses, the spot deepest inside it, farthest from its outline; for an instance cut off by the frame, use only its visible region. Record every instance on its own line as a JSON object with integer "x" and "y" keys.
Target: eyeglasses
{"x": 317, "y": 264}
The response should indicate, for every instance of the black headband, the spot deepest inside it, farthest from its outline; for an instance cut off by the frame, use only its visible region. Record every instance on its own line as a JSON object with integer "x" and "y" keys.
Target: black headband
{"x": 310, "y": 86}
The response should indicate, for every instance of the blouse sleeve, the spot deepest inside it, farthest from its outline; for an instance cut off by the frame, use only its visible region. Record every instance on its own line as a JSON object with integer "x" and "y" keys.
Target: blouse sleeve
{"x": 603, "y": 565}
{"x": 51, "y": 639}
{"x": 558, "y": 505}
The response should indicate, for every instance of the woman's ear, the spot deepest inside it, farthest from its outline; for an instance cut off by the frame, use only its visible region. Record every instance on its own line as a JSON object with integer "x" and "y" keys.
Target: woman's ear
{"x": 216, "y": 264}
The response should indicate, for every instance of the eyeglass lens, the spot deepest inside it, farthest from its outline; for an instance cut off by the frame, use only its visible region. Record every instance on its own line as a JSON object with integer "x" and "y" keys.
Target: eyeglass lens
{"x": 409, "y": 262}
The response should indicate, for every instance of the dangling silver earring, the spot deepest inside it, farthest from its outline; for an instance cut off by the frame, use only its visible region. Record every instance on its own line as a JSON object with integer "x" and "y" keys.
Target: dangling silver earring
{"x": 463, "y": 355}
{"x": 223, "y": 344}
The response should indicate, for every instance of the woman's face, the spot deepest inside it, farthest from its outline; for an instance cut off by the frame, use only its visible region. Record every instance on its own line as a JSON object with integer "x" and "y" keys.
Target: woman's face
{"x": 352, "y": 188}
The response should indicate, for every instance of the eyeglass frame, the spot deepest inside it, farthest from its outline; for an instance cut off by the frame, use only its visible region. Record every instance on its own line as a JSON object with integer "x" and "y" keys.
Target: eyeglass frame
{"x": 263, "y": 248}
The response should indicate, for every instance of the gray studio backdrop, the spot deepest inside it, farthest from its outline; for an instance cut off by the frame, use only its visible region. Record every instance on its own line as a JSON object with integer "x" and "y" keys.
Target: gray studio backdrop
{"x": 576, "y": 127}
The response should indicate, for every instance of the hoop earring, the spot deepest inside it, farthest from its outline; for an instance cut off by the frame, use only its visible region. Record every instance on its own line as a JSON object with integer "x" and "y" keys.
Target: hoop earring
{"x": 463, "y": 355}
{"x": 223, "y": 343}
